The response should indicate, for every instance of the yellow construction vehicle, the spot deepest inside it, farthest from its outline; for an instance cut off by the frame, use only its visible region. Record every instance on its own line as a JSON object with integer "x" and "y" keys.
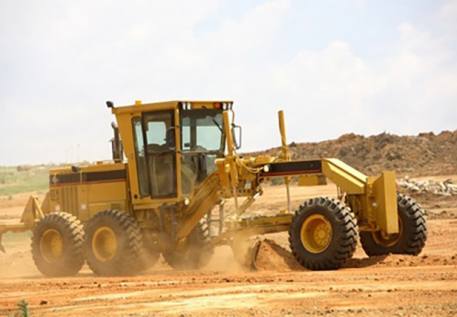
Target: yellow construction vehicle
{"x": 174, "y": 165}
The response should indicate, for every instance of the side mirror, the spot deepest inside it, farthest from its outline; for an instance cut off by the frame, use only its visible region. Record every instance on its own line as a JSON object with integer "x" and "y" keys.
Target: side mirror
{"x": 237, "y": 135}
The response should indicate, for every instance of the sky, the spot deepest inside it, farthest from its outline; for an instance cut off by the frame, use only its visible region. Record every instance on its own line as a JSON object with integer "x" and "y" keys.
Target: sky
{"x": 333, "y": 66}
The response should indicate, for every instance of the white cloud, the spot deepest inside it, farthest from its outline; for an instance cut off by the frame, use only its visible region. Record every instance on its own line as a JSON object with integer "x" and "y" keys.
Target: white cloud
{"x": 448, "y": 15}
{"x": 333, "y": 90}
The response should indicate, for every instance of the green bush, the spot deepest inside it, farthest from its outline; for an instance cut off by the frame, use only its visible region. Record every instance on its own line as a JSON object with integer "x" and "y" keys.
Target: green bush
{"x": 23, "y": 308}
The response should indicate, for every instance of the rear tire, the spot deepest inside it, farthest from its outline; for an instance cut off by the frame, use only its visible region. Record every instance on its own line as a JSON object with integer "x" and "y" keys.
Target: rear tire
{"x": 57, "y": 242}
{"x": 412, "y": 236}
{"x": 195, "y": 254}
{"x": 113, "y": 244}
{"x": 151, "y": 251}
{"x": 323, "y": 234}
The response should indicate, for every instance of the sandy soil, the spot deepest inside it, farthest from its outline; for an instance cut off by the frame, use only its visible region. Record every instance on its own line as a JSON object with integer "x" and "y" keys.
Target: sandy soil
{"x": 392, "y": 285}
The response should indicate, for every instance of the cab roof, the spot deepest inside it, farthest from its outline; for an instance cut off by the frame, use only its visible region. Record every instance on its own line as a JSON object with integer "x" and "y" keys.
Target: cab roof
{"x": 139, "y": 106}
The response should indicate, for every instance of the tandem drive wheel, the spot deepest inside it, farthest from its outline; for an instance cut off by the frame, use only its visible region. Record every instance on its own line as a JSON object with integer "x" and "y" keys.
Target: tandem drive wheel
{"x": 57, "y": 242}
{"x": 323, "y": 234}
{"x": 411, "y": 238}
{"x": 195, "y": 253}
{"x": 113, "y": 244}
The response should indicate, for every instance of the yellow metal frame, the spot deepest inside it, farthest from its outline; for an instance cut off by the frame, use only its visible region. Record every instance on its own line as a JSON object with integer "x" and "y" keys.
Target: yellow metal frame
{"x": 372, "y": 199}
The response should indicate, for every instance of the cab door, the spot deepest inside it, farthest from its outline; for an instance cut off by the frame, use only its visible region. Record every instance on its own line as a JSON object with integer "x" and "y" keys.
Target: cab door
{"x": 160, "y": 153}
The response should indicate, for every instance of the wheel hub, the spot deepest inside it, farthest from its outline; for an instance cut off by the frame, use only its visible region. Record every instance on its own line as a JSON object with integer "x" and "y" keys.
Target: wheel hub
{"x": 51, "y": 245}
{"x": 104, "y": 244}
{"x": 316, "y": 233}
{"x": 388, "y": 240}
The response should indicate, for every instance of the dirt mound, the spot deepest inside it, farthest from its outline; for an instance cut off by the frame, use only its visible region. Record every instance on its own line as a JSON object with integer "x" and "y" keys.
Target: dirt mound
{"x": 273, "y": 257}
{"x": 424, "y": 154}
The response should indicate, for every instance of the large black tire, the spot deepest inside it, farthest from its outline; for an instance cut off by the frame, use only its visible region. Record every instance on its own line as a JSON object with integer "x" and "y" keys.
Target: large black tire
{"x": 413, "y": 232}
{"x": 57, "y": 242}
{"x": 196, "y": 251}
{"x": 339, "y": 242}
{"x": 113, "y": 244}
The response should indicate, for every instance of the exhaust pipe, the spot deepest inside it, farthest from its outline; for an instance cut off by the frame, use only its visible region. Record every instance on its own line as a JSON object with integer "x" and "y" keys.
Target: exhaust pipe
{"x": 116, "y": 145}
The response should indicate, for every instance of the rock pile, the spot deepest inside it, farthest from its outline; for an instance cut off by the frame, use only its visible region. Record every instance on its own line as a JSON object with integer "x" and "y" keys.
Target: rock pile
{"x": 446, "y": 188}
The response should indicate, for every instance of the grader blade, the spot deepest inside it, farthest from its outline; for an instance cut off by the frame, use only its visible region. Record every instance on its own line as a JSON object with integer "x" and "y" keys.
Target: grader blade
{"x": 245, "y": 251}
{"x": 253, "y": 253}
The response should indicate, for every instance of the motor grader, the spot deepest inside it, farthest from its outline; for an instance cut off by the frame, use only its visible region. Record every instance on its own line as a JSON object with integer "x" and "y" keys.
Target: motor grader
{"x": 174, "y": 166}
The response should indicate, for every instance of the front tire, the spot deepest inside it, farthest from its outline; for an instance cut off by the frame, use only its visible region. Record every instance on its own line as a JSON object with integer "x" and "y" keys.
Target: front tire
{"x": 57, "y": 242}
{"x": 412, "y": 236}
{"x": 113, "y": 244}
{"x": 323, "y": 234}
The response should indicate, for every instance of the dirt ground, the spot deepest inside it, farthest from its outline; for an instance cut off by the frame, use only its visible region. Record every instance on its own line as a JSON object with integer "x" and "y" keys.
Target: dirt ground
{"x": 390, "y": 286}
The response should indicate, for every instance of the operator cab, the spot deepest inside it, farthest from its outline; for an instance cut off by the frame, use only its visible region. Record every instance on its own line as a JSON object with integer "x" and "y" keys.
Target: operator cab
{"x": 174, "y": 143}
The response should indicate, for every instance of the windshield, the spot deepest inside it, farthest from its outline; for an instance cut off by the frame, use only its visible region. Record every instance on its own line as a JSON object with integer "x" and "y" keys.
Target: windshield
{"x": 202, "y": 130}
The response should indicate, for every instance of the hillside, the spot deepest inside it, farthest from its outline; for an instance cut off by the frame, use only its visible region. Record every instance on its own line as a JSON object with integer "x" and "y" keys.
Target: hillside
{"x": 20, "y": 179}
{"x": 424, "y": 154}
